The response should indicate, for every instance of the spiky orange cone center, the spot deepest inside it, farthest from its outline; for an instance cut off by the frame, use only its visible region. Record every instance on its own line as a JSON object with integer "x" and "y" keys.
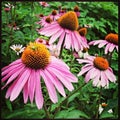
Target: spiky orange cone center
{"x": 36, "y": 56}
{"x": 112, "y": 38}
{"x": 101, "y": 63}
{"x": 69, "y": 21}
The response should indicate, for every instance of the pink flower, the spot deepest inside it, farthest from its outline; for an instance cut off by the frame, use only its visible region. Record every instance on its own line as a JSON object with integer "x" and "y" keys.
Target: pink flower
{"x": 111, "y": 42}
{"x": 65, "y": 28}
{"x": 25, "y": 75}
{"x": 54, "y": 15}
{"x": 97, "y": 69}
{"x": 77, "y": 11}
{"x": 45, "y": 21}
{"x": 6, "y": 9}
{"x": 44, "y": 4}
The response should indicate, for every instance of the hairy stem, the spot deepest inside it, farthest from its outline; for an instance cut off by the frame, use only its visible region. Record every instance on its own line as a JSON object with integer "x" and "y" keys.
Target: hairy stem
{"x": 58, "y": 108}
{"x": 99, "y": 102}
{"x": 46, "y": 111}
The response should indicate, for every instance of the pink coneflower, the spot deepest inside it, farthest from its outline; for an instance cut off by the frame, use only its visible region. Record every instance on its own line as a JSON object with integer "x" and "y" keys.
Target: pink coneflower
{"x": 54, "y": 15}
{"x": 14, "y": 26}
{"x": 65, "y": 28}
{"x": 25, "y": 75}
{"x": 44, "y": 4}
{"x": 98, "y": 70}
{"x": 77, "y": 11}
{"x": 111, "y": 42}
{"x": 83, "y": 32}
{"x": 45, "y": 21}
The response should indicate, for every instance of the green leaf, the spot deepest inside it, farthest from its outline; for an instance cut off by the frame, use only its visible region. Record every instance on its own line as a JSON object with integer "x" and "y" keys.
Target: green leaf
{"x": 9, "y": 105}
{"x": 73, "y": 97}
{"x": 105, "y": 114}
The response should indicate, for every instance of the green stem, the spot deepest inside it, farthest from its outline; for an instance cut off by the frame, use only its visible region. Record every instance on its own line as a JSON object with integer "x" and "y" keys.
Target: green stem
{"x": 46, "y": 111}
{"x": 99, "y": 102}
{"x": 57, "y": 109}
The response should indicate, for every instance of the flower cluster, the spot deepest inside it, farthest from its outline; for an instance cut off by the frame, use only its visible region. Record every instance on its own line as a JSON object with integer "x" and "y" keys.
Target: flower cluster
{"x": 40, "y": 60}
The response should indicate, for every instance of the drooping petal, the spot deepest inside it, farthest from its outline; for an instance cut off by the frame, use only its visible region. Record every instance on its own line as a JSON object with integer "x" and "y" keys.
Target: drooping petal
{"x": 55, "y": 36}
{"x": 11, "y": 64}
{"x": 32, "y": 85}
{"x": 55, "y": 81}
{"x": 110, "y": 75}
{"x": 50, "y": 87}
{"x": 25, "y": 92}
{"x": 38, "y": 91}
{"x": 107, "y": 48}
{"x": 84, "y": 70}
{"x": 20, "y": 84}
{"x": 111, "y": 47}
{"x": 60, "y": 76}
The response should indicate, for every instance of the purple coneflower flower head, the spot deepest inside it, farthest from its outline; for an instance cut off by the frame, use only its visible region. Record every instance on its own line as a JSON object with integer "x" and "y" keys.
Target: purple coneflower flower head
{"x": 25, "y": 75}
{"x": 111, "y": 42}
{"x": 97, "y": 69}
{"x": 77, "y": 11}
{"x": 17, "y": 48}
{"x": 54, "y": 15}
{"x": 83, "y": 32}
{"x": 45, "y": 21}
{"x": 65, "y": 28}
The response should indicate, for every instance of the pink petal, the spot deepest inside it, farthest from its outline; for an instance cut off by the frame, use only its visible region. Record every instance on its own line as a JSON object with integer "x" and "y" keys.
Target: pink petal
{"x": 110, "y": 75}
{"x": 102, "y": 44}
{"x": 85, "y": 61}
{"x": 98, "y": 41}
{"x": 75, "y": 41}
{"x": 11, "y": 68}
{"x": 96, "y": 80}
{"x": 13, "y": 63}
{"x": 60, "y": 40}
{"x": 111, "y": 48}
{"x": 103, "y": 79}
{"x": 32, "y": 85}
{"x": 25, "y": 92}
{"x": 84, "y": 70}
{"x": 107, "y": 48}
{"x": 50, "y": 87}
{"x": 10, "y": 89}
{"x": 55, "y": 81}
{"x": 60, "y": 76}
{"x": 13, "y": 76}
{"x": 55, "y": 36}
{"x": 95, "y": 72}
{"x": 20, "y": 84}
{"x": 68, "y": 40}
{"x": 38, "y": 91}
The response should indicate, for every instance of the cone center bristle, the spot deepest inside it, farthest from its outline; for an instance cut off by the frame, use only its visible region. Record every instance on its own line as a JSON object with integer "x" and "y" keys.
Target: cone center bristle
{"x": 36, "y": 56}
{"x": 76, "y": 9}
{"x": 101, "y": 63}
{"x": 69, "y": 21}
{"x": 112, "y": 38}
